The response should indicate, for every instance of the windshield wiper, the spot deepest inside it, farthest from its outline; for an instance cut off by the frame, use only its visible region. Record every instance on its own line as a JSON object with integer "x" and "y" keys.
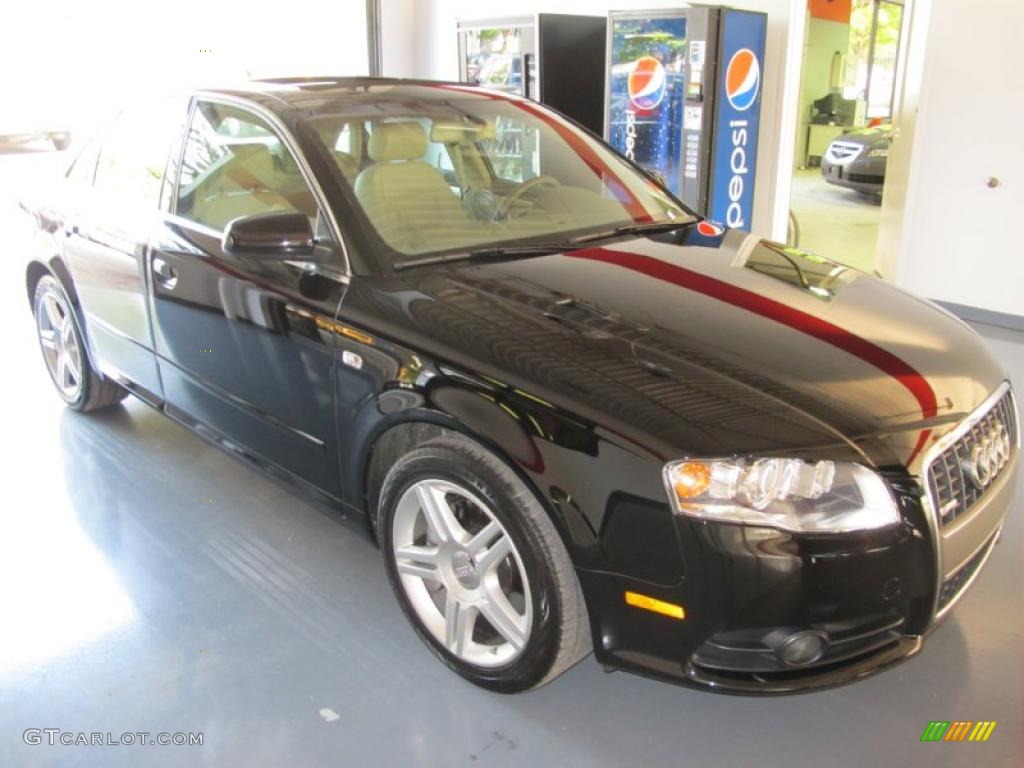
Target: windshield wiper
{"x": 648, "y": 228}
{"x": 494, "y": 252}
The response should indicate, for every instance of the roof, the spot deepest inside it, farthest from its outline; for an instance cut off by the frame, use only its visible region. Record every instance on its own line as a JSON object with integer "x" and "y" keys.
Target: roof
{"x": 283, "y": 93}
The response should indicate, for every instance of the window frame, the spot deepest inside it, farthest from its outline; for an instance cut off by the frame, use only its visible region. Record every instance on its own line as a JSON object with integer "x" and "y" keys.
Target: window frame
{"x": 281, "y": 132}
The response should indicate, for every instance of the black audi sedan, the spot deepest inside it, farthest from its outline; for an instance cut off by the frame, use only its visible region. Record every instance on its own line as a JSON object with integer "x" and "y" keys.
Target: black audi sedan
{"x": 575, "y": 415}
{"x": 857, "y": 160}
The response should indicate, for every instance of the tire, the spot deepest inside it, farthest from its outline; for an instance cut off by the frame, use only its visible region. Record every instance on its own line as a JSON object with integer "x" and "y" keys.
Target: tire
{"x": 60, "y": 338}
{"x": 60, "y": 141}
{"x": 523, "y": 619}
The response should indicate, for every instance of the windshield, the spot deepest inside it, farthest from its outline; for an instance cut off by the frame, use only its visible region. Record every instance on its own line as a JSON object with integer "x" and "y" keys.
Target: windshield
{"x": 458, "y": 169}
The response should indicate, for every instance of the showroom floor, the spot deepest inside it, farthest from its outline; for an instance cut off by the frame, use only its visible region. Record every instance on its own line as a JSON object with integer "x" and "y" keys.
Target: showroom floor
{"x": 150, "y": 582}
{"x": 835, "y": 222}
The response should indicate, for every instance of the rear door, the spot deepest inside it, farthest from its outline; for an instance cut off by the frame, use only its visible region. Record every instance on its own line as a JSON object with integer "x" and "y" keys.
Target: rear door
{"x": 108, "y": 234}
{"x": 245, "y": 346}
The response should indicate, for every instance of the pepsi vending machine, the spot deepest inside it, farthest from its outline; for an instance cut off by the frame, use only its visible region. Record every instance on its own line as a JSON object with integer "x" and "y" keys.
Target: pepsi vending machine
{"x": 549, "y": 57}
{"x": 683, "y": 100}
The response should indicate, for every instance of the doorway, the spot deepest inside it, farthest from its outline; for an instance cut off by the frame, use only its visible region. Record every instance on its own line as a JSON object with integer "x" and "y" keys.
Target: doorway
{"x": 847, "y": 89}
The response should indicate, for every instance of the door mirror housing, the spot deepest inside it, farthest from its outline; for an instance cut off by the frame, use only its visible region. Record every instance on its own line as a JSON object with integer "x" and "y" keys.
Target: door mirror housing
{"x": 283, "y": 236}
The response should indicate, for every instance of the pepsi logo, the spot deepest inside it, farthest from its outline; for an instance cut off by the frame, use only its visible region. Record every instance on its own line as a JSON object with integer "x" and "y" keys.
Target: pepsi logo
{"x": 647, "y": 83}
{"x": 742, "y": 79}
{"x": 709, "y": 228}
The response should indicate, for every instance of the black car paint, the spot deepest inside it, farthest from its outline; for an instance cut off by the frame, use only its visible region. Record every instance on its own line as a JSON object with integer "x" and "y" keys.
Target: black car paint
{"x": 585, "y": 371}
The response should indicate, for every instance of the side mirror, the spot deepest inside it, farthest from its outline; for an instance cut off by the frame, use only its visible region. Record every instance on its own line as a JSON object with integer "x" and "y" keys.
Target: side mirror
{"x": 270, "y": 236}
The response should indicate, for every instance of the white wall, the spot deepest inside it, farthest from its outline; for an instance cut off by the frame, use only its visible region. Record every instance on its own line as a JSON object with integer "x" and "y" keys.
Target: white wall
{"x": 399, "y": 49}
{"x": 86, "y": 55}
{"x": 822, "y": 40}
{"x": 944, "y": 232}
{"x": 434, "y": 42}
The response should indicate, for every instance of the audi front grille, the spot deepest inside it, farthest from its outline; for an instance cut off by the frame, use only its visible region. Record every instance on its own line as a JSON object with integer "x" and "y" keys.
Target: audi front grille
{"x": 955, "y": 480}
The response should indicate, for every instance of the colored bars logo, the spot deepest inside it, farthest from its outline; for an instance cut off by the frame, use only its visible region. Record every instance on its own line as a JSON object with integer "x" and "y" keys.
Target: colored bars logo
{"x": 958, "y": 730}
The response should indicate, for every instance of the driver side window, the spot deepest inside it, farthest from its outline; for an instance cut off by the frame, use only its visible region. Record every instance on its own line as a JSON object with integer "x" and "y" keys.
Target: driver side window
{"x": 235, "y": 165}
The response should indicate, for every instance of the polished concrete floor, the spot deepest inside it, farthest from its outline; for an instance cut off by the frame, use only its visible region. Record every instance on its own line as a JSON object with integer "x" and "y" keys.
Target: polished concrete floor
{"x": 834, "y": 222}
{"x": 149, "y": 582}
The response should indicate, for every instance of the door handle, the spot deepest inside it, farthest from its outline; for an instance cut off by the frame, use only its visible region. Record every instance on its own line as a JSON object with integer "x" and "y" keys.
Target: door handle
{"x": 165, "y": 274}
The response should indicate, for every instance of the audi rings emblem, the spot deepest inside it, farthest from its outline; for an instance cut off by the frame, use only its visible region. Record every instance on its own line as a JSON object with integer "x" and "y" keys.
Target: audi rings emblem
{"x": 988, "y": 456}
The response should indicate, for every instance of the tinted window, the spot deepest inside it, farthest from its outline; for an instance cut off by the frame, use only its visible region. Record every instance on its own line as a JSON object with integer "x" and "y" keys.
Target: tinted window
{"x": 134, "y": 153}
{"x": 235, "y": 165}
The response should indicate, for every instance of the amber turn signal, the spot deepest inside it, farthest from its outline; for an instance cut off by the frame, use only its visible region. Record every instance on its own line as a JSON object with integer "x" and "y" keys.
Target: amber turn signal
{"x": 653, "y": 604}
{"x": 691, "y": 479}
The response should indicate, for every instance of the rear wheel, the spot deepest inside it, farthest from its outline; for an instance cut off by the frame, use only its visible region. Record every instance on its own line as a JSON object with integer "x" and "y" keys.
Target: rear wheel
{"x": 479, "y": 568}
{"x": 63, "y": 350}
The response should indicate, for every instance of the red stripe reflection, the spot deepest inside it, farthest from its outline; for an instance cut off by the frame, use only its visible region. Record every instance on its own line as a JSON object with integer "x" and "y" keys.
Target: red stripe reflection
{"x": 796, "y": 319}
{"x": 579, "y": 145}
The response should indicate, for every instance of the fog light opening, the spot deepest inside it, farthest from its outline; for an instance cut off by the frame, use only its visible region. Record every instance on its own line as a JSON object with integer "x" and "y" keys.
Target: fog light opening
{"x": 798, "y": 649}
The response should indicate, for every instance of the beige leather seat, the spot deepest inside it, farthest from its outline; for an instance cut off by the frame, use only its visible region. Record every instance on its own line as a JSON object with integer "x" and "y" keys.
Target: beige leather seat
{"x": 346, "y": 161}
{"x": 408, "y": 201}
{"x": 460, "y": 138}
{"x": 249, "y": 182}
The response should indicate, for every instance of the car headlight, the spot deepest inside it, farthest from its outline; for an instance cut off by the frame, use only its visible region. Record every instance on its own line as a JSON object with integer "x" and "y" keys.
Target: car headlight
{"x": 879, "y": 152}
{"x": 794, "y": 495}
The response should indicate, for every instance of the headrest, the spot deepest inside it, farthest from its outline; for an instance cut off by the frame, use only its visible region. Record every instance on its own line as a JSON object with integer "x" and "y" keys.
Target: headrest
{"x": 397, "y": 141}
{"x": 458, "y": 132}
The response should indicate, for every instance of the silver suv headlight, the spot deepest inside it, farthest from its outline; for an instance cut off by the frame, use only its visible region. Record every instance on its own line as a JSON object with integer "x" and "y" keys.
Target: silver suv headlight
{"x": 794, "y": 495}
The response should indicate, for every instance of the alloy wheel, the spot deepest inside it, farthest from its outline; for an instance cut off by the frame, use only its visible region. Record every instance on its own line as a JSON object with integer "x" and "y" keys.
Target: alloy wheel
{"x": 461, "y": 572}
{"x": 59, "y": 342}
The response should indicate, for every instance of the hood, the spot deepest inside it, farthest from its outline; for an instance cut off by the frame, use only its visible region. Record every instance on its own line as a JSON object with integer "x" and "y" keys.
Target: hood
{"x": 880, "y": 135}
{"x": 707, "y": 344}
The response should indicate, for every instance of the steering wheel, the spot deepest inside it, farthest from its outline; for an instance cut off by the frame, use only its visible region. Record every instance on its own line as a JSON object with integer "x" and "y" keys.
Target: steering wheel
{"x": 539, "y": 181}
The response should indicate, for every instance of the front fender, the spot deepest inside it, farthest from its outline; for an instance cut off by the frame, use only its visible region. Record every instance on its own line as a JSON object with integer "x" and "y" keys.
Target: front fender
{"x": 607, "y": 502}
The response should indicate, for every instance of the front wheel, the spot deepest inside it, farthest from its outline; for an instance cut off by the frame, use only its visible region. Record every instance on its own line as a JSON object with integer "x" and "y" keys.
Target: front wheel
{"x": 479, "y": 568}
{"x": 64, "y": 352}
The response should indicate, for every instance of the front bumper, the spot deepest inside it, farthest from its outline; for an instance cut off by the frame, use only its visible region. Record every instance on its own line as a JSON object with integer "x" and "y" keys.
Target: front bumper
{"x": 875, "y": 596}
{"x": 866, "y": 175}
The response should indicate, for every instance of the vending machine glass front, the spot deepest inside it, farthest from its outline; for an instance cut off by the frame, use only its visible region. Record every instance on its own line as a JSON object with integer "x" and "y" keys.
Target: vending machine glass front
{"x": 646, "y": 89}
{"x": 500, "y": 57}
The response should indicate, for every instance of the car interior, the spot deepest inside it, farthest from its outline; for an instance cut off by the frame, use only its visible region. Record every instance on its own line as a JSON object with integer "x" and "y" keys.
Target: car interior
{"x": 436, "y": 183}
{"x": 427, "y": 183}
{"x": 235, "y": 166}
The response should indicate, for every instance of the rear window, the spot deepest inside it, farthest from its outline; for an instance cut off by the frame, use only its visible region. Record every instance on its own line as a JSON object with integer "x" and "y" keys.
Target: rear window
{"x": 134, "y": 152}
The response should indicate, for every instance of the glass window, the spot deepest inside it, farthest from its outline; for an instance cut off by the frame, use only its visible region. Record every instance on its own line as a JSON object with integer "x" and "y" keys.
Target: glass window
{"x": 494, "y": 57}
{"x": 456, "y": 170}
{"x": 235, "y": 165}
{"x": 344, "y": 141}
{"x": 875, "y": 27}
{"x": 134, "y": 154}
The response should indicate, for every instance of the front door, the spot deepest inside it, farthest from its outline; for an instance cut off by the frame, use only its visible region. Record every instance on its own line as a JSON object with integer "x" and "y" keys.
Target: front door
{"x": 244, "y": 345}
